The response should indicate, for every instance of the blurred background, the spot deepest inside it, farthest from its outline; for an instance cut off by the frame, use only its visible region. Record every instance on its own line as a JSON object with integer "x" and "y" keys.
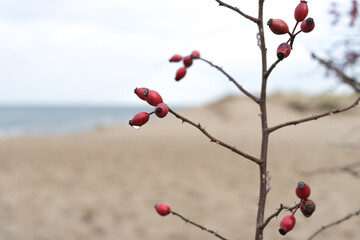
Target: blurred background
{"x": 95, "y": 53}
{"x": 71, "y": 168}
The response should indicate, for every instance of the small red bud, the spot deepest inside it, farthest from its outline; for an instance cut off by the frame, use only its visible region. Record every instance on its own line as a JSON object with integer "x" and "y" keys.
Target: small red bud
{"x": 195, "y": 54}
{"x": 180, "y": 73}
{"x": 188, "y": 61}
{"x": 161, "y": 110}
{"x": 307, "y": 207}
{"x": 153, "y": 98}
{"x": 283, "y": 51}
{"x": 286, "y": 224}
{"x": 139, "y": 119}
{"x": 175, "y": 58}
{"x": 278, "y": 26}
{"x": 162, "y": 208}
{"x": 301, "y": 11}
{"x": 302, "y": 190}
{"x": 307, "y": 25}
{"x": 141, "y": 92}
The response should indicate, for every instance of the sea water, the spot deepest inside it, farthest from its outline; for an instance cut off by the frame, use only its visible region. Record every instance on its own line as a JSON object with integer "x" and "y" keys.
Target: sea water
{"x": 40, "y": 120}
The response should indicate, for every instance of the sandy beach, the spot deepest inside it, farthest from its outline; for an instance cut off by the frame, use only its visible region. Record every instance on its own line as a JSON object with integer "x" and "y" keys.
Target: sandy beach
{"x": 104, "y": 184}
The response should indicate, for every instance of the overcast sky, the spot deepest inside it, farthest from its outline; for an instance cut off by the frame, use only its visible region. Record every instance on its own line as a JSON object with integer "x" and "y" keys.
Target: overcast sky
{"x": 97, "y": 52}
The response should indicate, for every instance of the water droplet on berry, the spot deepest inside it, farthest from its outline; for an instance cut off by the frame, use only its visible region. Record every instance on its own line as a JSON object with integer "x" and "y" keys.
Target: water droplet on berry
{"x": 136, "y": 127}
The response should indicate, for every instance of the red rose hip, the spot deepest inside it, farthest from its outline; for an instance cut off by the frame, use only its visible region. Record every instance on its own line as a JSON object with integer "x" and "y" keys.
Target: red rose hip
{"x": 162, "y": 209}
{"x": 139, "y": 119}
{"x": 195, "y": 54}
{"x": 283, "y": 51}
{"x": 302, "y": 190}
{"x": 287, "y": 224}
{"x": 278, "y": 26}
{"x": 161, "y": 110}
{"x": 301, "y": 11}
{"x": 175, "y": 58}
{"x": 307, "y": 25}
{"x": 180, "y": 73}
{"x": 153, "y": 98}
{"x": 188, "y": 61}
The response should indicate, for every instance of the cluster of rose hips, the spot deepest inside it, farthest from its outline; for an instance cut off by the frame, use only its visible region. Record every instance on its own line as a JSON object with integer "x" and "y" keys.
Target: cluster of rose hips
{"x": 154, "y": 99}
{"x": 280, "y": 27}
{"x": 187, "y": 61}
{"x": 307, "y": 207}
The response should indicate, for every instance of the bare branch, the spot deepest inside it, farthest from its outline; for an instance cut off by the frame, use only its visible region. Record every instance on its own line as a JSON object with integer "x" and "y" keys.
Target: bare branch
{"x": 232, "y": 80}
{"x": 221, "y": 3}
{"x": 349, "y": 168}
{"x": 343, "y": 77}
{"x": 315, "y": 117}
{"x": 259, "y": 234}
{"x": 323, "y": 228}
{"x": 272, "y": 68}
{"x": 213, "y": 139}
{"x": 199, "y": 226}
{"x": 275, "y": 214}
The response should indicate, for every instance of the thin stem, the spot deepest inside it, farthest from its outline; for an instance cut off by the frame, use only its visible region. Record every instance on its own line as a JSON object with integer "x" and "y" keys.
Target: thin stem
{"x": 264, "y": 126}
{"x": 275, "y": 214}
{"x": 255, "y": 99}
{"x": 297, "y": 33}
{"x": 272, "y": 67}
{"x": 213, "y": 139}
{"x": 297, "y": 207}
{"x": 221, "y": 3}
{"x": 199, "y": 226}
{"x": 315, "y": 117}
{"x": 292, "y": 33}
{"x": 323, "y": 228}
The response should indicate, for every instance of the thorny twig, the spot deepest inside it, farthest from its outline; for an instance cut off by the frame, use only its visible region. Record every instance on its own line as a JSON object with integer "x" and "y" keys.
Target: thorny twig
{"x": 314, "y": 117}
{"x": 275, "y": 214}
{"x": 213, "y": 139}
{"x": 232, "y": 80}
{"x": 221, "y": 3}
{"x": 323, "y": 228}
{"x": 349, "y": 168}
{"x": 340, "y": 73}
{"x": 199, "y": 226}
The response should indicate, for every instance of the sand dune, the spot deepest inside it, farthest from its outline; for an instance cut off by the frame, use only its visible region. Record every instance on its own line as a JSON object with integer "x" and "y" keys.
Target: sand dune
{"x": 104, "y": 184}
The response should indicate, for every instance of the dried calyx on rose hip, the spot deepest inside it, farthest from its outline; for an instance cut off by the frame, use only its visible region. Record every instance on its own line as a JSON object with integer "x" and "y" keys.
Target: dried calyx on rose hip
{"x": 139, "y": 119}
{"x": 301, "y": 11}
{"x": 141, "y": 93}
{"x": 161, "y": 110}
{"x": 303, "y": 190}
{"x": 278, "y": 26}
{"x": 307, "y": 25}
{"x": 180, "y": 73}
{"x": 283, "y": 51}
{"x": 162, "y": 209}
{"x": 287, "y": 224}
{"x": 307, "y": 207}
{"x": 175, "y": 58}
